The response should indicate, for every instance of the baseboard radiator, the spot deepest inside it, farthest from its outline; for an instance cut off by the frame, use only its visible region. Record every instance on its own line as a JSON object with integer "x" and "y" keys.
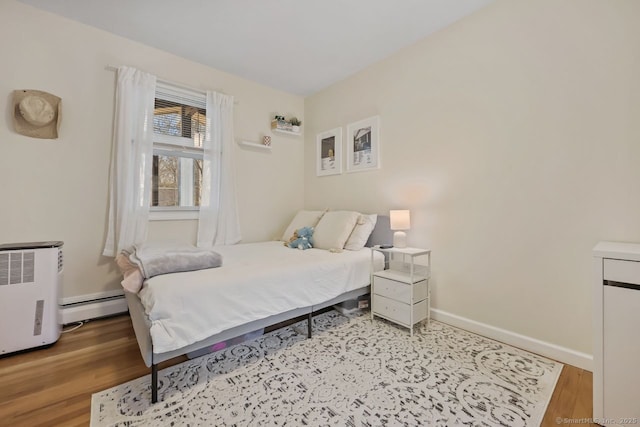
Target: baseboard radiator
{"x": 93, "y": 306}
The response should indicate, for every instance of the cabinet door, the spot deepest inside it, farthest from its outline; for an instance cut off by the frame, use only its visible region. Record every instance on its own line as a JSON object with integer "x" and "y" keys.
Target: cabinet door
{"x": 621, "y": 352}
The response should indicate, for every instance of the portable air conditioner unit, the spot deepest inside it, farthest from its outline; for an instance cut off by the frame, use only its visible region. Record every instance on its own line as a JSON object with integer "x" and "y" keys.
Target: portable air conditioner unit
{"x": 30, "y": 282}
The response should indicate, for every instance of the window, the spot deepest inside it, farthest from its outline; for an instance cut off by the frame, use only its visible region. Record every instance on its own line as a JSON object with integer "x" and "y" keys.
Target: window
{"x": 179, "y": 124}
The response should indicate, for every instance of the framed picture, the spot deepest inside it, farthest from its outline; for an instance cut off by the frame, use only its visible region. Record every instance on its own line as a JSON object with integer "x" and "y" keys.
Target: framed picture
{"x": 363, "y": 145}
{"x": 329, "y": 152}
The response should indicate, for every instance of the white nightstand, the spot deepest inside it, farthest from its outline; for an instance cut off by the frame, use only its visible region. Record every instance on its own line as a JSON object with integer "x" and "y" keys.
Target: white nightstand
{"x": 401, "y": 293}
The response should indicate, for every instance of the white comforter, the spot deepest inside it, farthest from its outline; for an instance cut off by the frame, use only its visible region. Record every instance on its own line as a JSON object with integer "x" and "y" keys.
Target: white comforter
{"x": 256, "y": 280}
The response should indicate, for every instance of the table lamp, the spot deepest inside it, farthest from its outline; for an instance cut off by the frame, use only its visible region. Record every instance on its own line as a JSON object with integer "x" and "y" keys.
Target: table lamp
{"x": 400, "y": 220}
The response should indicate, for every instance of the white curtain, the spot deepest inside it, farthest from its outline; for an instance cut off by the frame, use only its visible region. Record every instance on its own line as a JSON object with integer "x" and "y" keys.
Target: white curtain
{"x": 131, "y": 160}
{"x": 218, "y": 221}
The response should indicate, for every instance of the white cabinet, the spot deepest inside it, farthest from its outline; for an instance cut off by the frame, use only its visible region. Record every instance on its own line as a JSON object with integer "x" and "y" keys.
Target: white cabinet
{"x": 616, "y": 349}
{"x": 401, "y": 293}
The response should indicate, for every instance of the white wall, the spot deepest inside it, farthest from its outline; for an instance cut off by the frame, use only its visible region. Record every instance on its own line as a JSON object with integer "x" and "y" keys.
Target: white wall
{"x": 57, "y": 189}
{"x": 513, "y": 137}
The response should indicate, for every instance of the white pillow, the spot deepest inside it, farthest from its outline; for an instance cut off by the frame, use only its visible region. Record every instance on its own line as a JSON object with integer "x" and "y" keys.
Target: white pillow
{"x": 302, "y": 219}
{"x": 334, "y": 229}
{"x": 361, "y": 232}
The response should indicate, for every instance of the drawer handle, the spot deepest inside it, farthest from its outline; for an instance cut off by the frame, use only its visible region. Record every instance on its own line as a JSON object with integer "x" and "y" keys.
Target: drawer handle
{"x": 622, "y": 285}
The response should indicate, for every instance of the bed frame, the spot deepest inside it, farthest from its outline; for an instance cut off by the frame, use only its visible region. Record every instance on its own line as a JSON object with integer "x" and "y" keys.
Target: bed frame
{"x": 142, "y": 325}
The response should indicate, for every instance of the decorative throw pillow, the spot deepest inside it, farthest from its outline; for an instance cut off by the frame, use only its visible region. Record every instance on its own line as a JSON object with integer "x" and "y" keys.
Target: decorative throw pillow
{"x": 132, "y": 276}
{"x": 302, "y": 219}
{"x": 334, "y": 229}
{"x": 361, "y": 232}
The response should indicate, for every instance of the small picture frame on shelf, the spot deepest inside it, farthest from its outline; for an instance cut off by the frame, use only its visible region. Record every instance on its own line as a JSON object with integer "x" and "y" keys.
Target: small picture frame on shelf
{"x": 363, "y": 145}
{"x": 329, "y": 152}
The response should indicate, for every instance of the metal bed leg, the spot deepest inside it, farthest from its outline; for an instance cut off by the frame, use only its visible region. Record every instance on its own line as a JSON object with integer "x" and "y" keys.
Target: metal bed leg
{"x": 154, "y": 383}
{"x": 309, "y": 320}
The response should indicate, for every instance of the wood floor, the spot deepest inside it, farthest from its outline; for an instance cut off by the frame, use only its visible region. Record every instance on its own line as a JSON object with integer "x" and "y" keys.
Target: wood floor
{"x": 53, "y": 386}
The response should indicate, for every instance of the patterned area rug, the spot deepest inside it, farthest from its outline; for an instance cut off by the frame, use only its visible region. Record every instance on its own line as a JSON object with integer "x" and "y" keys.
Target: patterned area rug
{"x": 354, "y": 372}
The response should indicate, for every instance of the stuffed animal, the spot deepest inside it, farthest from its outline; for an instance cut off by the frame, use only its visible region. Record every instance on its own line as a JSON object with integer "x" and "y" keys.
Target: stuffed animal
{"x": 302, "y": 239}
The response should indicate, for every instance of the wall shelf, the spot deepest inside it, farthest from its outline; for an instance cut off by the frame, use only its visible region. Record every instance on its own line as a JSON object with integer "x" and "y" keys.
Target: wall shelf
{"x": 283, "y": 127}
{"x": 255, "y": 145}
{"x": 289, "y": 132}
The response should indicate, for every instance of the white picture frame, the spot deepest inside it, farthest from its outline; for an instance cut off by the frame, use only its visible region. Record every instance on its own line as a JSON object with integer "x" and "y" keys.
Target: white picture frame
{"x": 329, "y": 152}
{"x": 363, "y": 145}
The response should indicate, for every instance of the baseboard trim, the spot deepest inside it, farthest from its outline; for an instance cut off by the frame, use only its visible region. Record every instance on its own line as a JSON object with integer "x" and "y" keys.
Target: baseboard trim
{"x": 543, "y": 348}
{"x": 85, "y": 307}
{"x": 85, "y": 298}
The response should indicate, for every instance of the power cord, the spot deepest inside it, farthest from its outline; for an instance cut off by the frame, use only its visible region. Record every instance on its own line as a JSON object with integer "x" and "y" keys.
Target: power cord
{"x": 79, "y": 324}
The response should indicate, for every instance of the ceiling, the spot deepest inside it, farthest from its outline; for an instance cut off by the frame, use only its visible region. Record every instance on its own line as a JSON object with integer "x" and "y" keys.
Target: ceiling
{"x": 298, "y": 46}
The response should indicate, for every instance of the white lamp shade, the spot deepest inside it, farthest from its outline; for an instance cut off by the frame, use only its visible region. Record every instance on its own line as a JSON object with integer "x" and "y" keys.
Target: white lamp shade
{"x": 399, "y": 219}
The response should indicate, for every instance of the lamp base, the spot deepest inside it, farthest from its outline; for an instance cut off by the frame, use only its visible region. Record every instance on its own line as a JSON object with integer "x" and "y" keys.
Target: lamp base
{"x": 400, "y": 239}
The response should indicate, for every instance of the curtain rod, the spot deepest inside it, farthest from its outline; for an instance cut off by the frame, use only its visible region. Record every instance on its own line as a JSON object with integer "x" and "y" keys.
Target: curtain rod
{"x": 179, "y": 85}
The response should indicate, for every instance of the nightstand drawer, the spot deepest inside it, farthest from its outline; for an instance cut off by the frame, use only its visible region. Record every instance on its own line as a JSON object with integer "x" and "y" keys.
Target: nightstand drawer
{"x": 398, "y": 290}
{"x": 397, "y": 311}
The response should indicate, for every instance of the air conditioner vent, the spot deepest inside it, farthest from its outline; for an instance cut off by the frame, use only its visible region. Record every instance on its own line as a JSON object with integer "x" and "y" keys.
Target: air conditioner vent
{"x": 28, "y": 267}
{"x": 4, "y": 269}
{"x": 17, "y": 267}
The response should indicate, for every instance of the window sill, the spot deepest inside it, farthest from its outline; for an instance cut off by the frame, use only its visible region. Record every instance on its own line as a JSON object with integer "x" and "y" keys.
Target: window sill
{"x": 173, "y": 214}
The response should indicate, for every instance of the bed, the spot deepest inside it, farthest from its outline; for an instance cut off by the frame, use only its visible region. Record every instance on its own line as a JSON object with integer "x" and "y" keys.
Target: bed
{"x": 258, "y": 285}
